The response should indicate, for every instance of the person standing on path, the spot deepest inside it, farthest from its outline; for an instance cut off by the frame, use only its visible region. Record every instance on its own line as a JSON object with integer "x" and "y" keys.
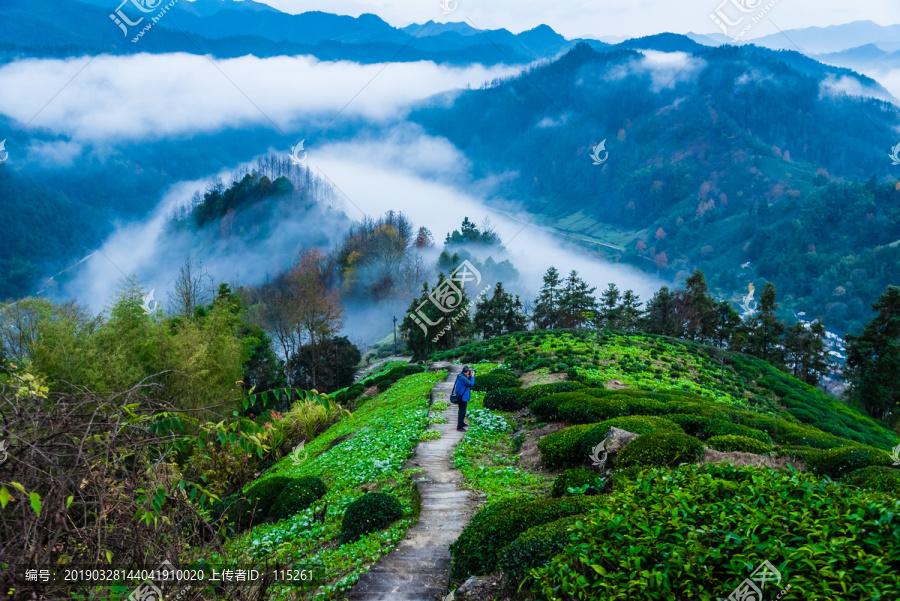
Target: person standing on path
{"x": 465, "y": 382}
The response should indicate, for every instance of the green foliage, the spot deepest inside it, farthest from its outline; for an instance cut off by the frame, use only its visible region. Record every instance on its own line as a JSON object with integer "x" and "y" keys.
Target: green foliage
{"x": 575, "y": 478}
{"x": 873, "y": 359}
{"x": 638, "y": 424}
{"x": 662, "y": 448}
{"x": 448, "y": 330}
{"x": 371, "y": 512}
{"x": 505, "y": 399}
{"x": 494, "y": 381}
{"x": 534, "y": 548}
{"x": 350, "y": 394}
{"x": 738, "y": 517}
{"x": 477, "y": 549}
{"x": 730, "y": 442}
{"x": 384, "y": 381}
{"x": 498, "y": 315}
{"x": 329, "y": 366}
{"x": 840, "y": 461}
{"x": 705, "y": 427}
{"x": 578, "y": 407}
{"x": 562, "y": 449}
{"x": 666, "y": 370}
{"x": 297, "y": 495}
{"x": 251, "y": 508}
{"x": 880, "y": 478}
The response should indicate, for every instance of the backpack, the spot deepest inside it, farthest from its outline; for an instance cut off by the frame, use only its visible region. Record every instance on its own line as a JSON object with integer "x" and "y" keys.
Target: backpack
{"x": 454, "y": 398}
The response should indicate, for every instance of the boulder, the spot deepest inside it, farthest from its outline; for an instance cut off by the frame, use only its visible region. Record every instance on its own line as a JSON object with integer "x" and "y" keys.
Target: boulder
{"x": 478, "y": 588}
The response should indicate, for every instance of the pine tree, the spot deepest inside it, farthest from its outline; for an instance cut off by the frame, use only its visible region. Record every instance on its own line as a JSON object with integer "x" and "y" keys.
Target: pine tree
{"x": 427, "y": 328}
{"x": 873, "y": 360}
{"x": 661, "y": 316}
{"x": 729, "y": 333}
{"x": 805, "y": 352}
{"x": 498, "y": 315}
{"x": 630, "y": 311}
{"x": 609, "y": 308}
{"x": 547, "y": 305}
{"x": 577, "y": 303}
{"x": 698, "y": 308}
{"x": 764, "y": 336}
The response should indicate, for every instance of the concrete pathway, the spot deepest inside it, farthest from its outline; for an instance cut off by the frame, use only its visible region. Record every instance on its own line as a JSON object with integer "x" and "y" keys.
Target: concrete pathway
{"x": 418, "y": 569}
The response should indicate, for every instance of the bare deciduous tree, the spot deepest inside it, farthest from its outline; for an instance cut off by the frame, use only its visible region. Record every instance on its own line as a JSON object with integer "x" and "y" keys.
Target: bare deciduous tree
{"x": 193, "y": 288}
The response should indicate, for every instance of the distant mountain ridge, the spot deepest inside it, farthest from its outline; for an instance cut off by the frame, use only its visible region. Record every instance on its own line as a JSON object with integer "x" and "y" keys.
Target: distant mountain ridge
{"x": 736, "y": 155}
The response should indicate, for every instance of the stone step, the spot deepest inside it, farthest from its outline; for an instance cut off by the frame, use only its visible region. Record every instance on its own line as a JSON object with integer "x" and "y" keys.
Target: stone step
{"x": 419, "y": 567}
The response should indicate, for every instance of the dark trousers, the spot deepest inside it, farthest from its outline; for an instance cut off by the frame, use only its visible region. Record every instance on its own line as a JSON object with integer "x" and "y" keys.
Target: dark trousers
{"x": 460, "y": 424}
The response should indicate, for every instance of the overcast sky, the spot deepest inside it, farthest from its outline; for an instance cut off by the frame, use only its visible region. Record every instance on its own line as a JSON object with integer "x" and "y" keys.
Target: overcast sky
{"x": 577, "y": 18}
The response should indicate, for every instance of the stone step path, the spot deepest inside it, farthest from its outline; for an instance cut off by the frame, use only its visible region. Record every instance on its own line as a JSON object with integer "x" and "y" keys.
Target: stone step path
{"x": 418, "y": 569}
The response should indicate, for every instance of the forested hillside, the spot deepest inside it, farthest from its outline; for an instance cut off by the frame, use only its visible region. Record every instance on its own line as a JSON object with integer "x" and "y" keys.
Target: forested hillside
{"x": 736, "y": 161}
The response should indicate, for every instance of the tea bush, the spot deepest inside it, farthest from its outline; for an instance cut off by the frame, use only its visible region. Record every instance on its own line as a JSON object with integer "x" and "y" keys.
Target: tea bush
{"x": 562, "y": 448}
{"x": 876, "y": 477}
{"x": 743, "y": 444}
{"x": 493, "y": 381}
{"x": 505, "y": 399}
{"x": 477, "y": 549}
{"x": 370, "y": 512}
{"x": 662, "y": 448}
{"x": 535, "y": 547}
{"x": 575, "y": 478}
{"x": 296, "y": 496}
{"x": 251, "y": 508}
{"x": 738, "y": 518}
{"x": 637, "y": 424}
{"x": 837, "y": 462}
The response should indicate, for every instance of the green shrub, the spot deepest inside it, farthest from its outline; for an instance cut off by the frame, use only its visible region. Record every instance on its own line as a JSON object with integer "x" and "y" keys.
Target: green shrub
{"x": 840, "y": 461}
{"x": 546, "y": 407}
{"x": 297, "y": 496}
{"x": 744, "y": 444}
{"x": 493, "y": 381}
{"x": 788, "y": 433}
{"x": 477, "y": 548}
{"x": 757, "y": 515}
{"x": 534, "y": 548}
{"x": 252, "y": 508}
{"x": 263, "y": 494}
{"x": 717, "y": 427}
{"x": 505, "y": 399}
{"x": 384, "y": 381}
{"x": 704, "y": 427}
{"x": 876, "y": 477}
{"x": 542, "y": 390}
{"x": 575, "y": 478}
{"x": 662, "y": 448}
{"x": 638, "y": 424}
{"x": 562, "y": 448}
{"x": 370, "y": 512}
{"x": 350, "y": 394}
{"x": 586, "y": 409}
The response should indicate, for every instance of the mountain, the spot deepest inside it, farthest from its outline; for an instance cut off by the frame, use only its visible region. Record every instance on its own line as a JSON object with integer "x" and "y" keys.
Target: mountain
{"x": 227, "y": 29}
{"x": 819, "y": 40}
{"x": 738, "y": 154}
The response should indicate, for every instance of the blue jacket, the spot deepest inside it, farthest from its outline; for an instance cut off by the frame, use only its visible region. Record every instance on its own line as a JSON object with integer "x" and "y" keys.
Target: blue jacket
{"x": 463, "y": 387}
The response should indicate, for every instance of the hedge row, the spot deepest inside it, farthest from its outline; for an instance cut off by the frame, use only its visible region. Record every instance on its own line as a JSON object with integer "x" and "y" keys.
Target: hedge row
{"x": 269, "y": 500}
{"x": 513, "y": 399}
{"x": 573, "y": 446}
{"x": 477, "y": 549}
{"x": 711, "y": 524}
{"x": 837, "y": 462}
